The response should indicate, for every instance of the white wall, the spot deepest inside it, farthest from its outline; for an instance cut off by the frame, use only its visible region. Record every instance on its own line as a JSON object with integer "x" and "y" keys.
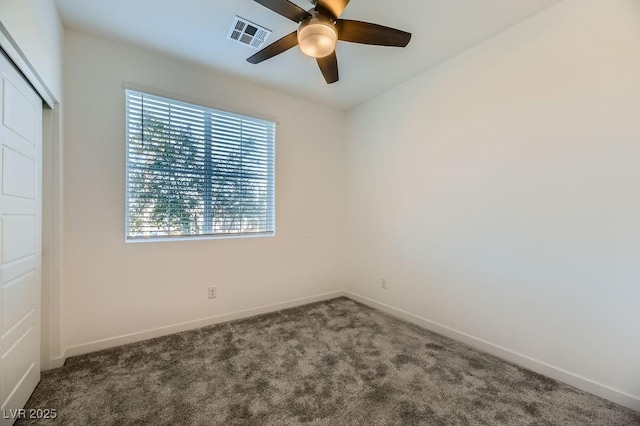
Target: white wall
{"x": 499, "y": 194}
{"x": 36, "y": 28}
{"x": 112, "y": 288}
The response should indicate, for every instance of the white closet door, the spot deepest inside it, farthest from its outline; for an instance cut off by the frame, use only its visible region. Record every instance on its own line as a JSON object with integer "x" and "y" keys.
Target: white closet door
{"x": 20, "y": 239}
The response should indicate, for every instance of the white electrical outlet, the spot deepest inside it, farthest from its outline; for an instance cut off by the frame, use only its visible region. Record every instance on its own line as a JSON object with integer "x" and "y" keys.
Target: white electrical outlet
{"x": 213, "y": 292}
{"x": 383, "y": 283}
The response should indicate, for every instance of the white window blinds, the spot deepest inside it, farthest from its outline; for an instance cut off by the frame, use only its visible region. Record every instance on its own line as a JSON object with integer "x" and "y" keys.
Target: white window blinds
{"x": 195, "y": 171}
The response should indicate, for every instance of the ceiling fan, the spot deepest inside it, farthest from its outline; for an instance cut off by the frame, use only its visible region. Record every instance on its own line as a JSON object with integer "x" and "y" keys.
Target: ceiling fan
{"x": 319, "y": 31}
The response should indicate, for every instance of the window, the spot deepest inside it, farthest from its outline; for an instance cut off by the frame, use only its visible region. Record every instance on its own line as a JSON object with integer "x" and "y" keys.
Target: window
{"x": 195, "y": 171}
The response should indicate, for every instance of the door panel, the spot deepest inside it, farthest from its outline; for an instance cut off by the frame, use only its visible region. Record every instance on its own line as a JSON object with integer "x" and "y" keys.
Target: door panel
{"x": 19, "y": 113}
{"x": 16, "y": 300}
{"x": 20, "y": 365}
{"x": 20, "y": 239}
{"x": 18, "y": 175}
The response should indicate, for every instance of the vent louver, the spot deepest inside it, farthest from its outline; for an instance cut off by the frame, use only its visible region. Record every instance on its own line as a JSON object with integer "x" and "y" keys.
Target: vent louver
{"x": 248, "y": 33}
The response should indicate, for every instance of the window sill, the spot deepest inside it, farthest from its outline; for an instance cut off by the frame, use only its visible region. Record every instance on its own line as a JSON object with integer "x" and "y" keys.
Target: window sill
{"x": 197, "y": 238}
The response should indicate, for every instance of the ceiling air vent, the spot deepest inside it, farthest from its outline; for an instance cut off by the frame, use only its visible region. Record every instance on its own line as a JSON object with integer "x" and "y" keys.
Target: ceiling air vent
{"x": 246, "y": 32}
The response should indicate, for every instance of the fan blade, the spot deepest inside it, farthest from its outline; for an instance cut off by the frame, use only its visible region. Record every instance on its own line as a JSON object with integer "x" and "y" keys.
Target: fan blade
{"x": 286, "y": 9}
{"x": 366, "y": 33}
{"x": 329, "y": 68}
{"x": 334, "y": 8}
{"x": 276, "y": 48}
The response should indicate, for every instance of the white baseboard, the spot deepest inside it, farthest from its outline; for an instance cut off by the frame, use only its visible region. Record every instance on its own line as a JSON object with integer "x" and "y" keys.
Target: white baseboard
{"x": 540, "y": 367}
{"x": 57, "y": 362}
{"x": 188, "y": 325}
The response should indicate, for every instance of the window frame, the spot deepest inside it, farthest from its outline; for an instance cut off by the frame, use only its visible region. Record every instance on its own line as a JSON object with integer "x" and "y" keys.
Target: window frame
{"x": 217, "y": 109}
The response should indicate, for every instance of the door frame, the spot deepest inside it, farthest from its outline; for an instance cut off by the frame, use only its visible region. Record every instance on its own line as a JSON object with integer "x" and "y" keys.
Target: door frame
{"x": 20, "y": 60}
{"x": 52, "y": 272}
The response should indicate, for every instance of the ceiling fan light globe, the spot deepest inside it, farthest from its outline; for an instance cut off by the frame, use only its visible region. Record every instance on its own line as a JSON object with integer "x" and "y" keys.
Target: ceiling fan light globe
{"x": 317, "y": 38}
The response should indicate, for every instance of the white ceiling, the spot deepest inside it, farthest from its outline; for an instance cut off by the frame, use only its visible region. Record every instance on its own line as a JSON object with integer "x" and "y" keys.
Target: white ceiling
{"x": 195, "y": 30}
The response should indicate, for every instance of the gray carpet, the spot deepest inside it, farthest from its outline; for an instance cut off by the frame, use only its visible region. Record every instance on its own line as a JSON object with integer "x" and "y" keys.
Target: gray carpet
{"x": 329, "y": 363}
